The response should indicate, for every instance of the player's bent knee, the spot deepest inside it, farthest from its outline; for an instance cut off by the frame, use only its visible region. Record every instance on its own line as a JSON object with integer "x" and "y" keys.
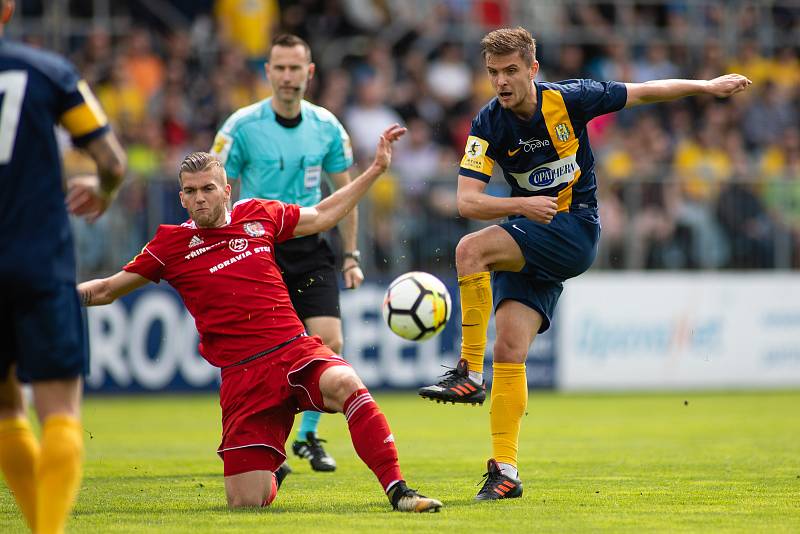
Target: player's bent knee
{"x": 337, "y": 384}
{"x": 250, "y": 489}
{"x": 243, "y": 501}
{"x": 510, "y": 351}
{"x": 468, "y": 250}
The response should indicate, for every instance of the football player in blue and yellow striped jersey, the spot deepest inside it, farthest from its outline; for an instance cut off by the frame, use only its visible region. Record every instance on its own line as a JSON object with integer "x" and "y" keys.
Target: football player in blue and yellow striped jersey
{"x": 535, "y": 132}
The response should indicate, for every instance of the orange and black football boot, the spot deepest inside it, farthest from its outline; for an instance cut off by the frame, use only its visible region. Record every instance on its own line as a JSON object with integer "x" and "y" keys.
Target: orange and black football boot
{"x": 497, "y": 485}
{"x": 457, "y": 387}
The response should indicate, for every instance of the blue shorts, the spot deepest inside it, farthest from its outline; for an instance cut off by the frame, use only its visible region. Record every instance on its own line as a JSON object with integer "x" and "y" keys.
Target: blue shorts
{"x": 43, "y": 332}
{"x": 553, "y": 253}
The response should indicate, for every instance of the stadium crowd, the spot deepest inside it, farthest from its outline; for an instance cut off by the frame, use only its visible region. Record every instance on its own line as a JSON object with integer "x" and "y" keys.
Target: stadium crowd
{"x": 697, "y": 184}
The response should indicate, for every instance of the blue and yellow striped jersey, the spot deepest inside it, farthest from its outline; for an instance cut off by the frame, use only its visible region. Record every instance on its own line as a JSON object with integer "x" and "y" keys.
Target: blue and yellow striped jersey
{"x": 38, "y": 90}
{"x": 550, "y": 153}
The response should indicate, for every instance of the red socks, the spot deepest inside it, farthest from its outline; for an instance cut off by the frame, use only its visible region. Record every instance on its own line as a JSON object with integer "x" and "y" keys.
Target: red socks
{"x": 372, "y": 438}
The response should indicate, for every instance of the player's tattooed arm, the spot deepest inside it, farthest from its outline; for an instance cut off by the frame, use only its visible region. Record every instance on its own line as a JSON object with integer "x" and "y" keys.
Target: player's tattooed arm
{"x": 107, "y": 290}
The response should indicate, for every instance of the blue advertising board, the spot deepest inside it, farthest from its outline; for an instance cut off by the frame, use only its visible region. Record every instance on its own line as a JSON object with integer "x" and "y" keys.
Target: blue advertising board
{"x": 147, "y": 341}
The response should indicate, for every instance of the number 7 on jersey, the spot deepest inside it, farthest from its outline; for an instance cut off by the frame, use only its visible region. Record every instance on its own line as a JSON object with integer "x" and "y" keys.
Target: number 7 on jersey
{"x": 12, "y": 92}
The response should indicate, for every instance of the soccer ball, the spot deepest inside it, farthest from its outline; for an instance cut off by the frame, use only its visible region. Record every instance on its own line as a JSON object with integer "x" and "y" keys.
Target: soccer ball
{"x": 416, "y": 306}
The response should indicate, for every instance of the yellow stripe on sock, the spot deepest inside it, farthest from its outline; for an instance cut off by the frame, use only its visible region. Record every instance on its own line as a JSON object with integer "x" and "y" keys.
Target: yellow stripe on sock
{"x": 476, "y": 308}
{"x": 509, "y": 399}
{"x": 19, "y": 456}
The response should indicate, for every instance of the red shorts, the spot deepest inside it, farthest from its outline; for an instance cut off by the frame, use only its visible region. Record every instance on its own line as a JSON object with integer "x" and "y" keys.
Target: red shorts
{"x": 260, "y": 399}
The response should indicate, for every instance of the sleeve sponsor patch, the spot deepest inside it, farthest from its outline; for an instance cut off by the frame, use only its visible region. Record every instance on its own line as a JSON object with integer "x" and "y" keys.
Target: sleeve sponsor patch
{"x": 348, "y": 147}
{"x": 222, "y": 146}
{"x": 475, "y": 158}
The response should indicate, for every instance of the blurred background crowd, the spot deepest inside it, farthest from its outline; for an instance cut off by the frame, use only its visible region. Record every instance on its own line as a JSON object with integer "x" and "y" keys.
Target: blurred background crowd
{"x": 700, "y": 184}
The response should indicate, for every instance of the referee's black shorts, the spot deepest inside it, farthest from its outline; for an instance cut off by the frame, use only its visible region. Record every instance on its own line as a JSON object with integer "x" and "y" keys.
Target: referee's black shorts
{"x": 308, "y": 266}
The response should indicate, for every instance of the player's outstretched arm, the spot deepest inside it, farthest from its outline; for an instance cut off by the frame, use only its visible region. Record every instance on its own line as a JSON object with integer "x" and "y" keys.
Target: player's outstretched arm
{"x": 90, "y": 196}
{"x": 664, "y": 90}
{"x": 348, "y": 228}
{"x": 332, "y": 209}
{"x": 107, "y": 290}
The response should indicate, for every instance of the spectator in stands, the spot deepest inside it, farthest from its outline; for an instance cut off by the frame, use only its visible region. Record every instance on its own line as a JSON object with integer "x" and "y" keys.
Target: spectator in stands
{"x": 369, "y": 116}
{"x": 767, "y": 117}
{"x": 248, "y": 25}
{"x": 145, "y": 67}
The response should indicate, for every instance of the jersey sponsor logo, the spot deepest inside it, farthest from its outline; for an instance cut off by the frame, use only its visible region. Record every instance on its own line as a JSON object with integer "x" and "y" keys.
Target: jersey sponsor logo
{"x": 195, "y": 241}
{"x": 254, "y": 229}
{"x": 532, "y": 144}
{"x": 242, "y": 255}
{"x": 562, "y": 131}
{"x": 548, "y": 175}
{"x": 201, "y": 251}
{"x": 222, "y": 146}
{"x": 238, "y": 245}
{"x": 230, "y": 261}
{"x": 529, "y": 146}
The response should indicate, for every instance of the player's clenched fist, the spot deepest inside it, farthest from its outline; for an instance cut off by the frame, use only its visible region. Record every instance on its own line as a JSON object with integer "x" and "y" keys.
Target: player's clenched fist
{"x": 539, "y": 209}
{"x": 727, "y": 85}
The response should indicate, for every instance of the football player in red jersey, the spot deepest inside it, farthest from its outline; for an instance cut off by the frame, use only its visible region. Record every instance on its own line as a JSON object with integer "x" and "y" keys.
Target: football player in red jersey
{"x": 222, "y": 263}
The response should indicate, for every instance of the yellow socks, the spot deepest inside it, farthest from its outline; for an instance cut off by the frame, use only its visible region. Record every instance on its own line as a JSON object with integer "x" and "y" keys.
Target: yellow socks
{"x": 59, "y": 472}
{"x": 44, "y": 480}
{"x": 509, "y": 400}
{"x": 19, "y": 455}
{"x": 476, "y": 308}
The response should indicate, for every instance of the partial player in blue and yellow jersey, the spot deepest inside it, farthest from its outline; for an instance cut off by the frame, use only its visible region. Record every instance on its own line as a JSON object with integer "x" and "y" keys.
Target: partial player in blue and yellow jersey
{"x": 536, "y": 133}
{"x": 40, "y": 318}
{"x": 39, "y": 90}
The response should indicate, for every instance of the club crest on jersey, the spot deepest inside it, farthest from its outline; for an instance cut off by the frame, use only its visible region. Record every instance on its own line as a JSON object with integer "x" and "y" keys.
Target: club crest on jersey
{"x": 238, "y": 245}
{"x": 562, "y": 131}
{"x": 195, "y": 241}
{"x": 254, "y": 229}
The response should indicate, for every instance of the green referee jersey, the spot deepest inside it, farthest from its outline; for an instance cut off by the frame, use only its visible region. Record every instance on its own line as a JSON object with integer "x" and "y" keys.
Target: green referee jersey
{"x": 278, "y": 162}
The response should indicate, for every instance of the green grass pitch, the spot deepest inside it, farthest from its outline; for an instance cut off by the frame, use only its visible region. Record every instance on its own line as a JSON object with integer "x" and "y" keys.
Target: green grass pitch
{"x": 589, "y": 463}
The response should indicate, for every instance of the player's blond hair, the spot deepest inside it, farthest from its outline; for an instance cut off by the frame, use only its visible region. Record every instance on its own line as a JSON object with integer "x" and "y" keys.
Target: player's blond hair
{"x": 506, "y": 41}
{"x": 199, "y": 162}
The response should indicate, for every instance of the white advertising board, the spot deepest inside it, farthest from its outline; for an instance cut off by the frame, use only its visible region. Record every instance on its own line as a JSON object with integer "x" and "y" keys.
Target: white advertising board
{"x": 672, "y": 331}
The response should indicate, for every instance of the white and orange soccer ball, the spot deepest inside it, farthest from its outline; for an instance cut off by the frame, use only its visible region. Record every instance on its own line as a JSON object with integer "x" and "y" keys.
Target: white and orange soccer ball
{"x": 416, "y": 306}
